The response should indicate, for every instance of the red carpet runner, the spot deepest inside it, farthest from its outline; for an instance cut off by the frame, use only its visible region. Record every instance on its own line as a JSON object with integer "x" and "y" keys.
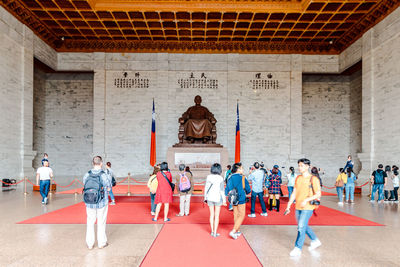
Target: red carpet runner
{"x": 136, "y": 210}
{"x": 175, "y": 247}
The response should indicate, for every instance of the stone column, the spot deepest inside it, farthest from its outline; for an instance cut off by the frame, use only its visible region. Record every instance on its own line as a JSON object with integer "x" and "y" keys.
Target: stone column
{"x": 296, "y": 115}
{"x": 99, "y": 105}
{"x": 367, "y": 155}
{"x": 27, "y": 155}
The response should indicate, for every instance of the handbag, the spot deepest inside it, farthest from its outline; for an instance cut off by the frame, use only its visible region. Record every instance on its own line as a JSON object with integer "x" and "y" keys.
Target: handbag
{"x": 315, "y": 202}
{"x": 339, "y": 183}
{"x": 170, "y": 184}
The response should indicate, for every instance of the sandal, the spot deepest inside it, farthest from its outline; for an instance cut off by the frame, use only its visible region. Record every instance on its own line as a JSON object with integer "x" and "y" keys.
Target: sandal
{"x": 167, "y": 220}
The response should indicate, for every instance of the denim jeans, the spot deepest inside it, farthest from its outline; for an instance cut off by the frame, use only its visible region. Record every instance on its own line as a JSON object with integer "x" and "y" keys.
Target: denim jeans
{"x": 290, "y": 190}
{"x": 153, "y": 206}
{"x": 378, "y": 187}
{"x": 396, "y": 193}
{"x": 260, "y": 196}
{"x": 111, "y": 195}
{"x": 302, "y": 217}
{"x": 350, "y": 191}
{"x": 339, "y": 191}
{"x": 44, "y": 188}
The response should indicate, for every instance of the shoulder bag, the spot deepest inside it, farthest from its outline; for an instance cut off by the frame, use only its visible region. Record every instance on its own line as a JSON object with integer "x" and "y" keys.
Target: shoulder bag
{"x": 170, "y": 184}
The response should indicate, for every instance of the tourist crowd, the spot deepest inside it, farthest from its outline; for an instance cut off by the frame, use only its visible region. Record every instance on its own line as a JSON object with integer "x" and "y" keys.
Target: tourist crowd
{"x": 232, "y": 187}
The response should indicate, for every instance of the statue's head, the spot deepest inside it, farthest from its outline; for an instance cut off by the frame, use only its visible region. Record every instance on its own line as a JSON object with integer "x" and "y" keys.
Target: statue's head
{"x": 197, "y": 100}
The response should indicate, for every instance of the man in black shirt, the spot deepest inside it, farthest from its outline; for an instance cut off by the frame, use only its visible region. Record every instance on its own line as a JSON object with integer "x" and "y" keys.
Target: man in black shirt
{"x": 378, "y": 180}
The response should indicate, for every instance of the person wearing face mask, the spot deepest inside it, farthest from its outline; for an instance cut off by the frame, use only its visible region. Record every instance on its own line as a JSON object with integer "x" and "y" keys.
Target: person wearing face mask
{"x": 306, "y": 192}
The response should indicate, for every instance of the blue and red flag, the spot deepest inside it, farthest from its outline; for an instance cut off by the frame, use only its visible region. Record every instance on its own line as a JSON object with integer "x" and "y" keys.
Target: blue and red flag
{"x": 153, "y": 138}
{"x": 237, "y": 141}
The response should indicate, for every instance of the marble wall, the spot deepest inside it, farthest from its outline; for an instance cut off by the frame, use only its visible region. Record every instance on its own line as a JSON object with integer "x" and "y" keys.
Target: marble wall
{"x": 63, "y": 121}
{"x": 331, "y": 120}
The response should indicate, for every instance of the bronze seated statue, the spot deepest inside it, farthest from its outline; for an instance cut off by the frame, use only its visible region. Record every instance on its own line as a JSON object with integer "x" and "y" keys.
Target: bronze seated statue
{"x": 197, "y": 125}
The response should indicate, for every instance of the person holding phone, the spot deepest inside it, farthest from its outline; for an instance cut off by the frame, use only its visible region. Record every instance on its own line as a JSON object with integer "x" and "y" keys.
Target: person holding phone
{"x": 306, "y": 192}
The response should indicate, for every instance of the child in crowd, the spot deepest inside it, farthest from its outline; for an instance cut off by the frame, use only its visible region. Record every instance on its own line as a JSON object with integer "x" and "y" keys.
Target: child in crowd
{"x": 45, "y": 158}
{"x": 152, "y": 185}
{"x": 349, "y": 163}
{"x": 274, "y": 189}
{"x": 341, "y": 180}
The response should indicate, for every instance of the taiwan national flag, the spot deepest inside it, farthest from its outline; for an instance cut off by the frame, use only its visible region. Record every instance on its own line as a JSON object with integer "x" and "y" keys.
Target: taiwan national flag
{"x": 153, "y": 138}
{"x": 237, "y": 141}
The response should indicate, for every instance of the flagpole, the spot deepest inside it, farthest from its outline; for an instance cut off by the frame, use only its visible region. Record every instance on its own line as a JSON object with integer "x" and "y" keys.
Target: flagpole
{"x": 237, "y": 135}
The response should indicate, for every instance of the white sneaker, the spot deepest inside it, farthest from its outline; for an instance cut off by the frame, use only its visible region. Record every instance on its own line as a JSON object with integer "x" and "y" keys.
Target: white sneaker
{"x": 46, "y": 200}
{"x": 264, "y": 214}
{"x": 340, "y": 203}
{"x": 314, "y": 244}
{"x": 233, "y": 235}
{"x": 296, "y": 252}
{"x": 372, "y": 201}
{"x": 252, "y": 215}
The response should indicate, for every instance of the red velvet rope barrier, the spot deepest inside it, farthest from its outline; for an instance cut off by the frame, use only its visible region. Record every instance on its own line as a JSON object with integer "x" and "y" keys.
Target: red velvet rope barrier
{"x": 12, "y": 183}
{"x": 30, "y": 182}
{"x": 358, "y": 186}
{"x": 139, "y": 182}
{"x": 122, "y": 181}
{"x": 80, "y": 182}
{"x": 329, "y": 187}
{"x": 64, "y": 186}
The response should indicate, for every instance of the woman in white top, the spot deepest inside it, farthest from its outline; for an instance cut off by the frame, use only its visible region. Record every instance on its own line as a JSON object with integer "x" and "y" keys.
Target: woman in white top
{"x": 214, "y": 195}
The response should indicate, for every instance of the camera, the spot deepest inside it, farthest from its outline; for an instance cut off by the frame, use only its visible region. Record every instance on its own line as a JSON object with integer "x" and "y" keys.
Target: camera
{"x": 315, "y": 202}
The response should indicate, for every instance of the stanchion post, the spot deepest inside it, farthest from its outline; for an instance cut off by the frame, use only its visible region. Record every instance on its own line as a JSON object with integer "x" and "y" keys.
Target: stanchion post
{"x": 25, "y": 192}
{"x": 76, "y": 187}
{"x": 50, "y": 189}
{"x": 129, "y": 184}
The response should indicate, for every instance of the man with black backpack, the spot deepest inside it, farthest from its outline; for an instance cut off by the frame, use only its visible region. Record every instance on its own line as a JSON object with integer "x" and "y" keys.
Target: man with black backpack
{"x": 378, "y": 180}
{"x": 95, "y": 195}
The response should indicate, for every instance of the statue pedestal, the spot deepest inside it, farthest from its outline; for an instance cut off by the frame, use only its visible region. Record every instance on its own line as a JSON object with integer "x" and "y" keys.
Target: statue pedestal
{"x": 198, "y": 157}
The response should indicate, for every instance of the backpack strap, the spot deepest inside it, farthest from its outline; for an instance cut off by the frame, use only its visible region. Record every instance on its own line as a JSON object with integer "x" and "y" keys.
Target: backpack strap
{"x": 166, "y": 178}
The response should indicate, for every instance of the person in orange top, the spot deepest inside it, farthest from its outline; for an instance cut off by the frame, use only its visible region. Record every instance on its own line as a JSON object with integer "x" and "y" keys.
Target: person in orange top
{"x": 307, "y": 189}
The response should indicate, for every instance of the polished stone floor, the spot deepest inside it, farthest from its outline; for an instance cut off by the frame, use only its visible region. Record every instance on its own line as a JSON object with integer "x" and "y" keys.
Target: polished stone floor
{"x": 64, "y": 245}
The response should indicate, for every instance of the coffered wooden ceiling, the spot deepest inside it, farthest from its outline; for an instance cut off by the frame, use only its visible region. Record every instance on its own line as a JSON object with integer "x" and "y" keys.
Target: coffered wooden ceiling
{"x": 206, "y": 26}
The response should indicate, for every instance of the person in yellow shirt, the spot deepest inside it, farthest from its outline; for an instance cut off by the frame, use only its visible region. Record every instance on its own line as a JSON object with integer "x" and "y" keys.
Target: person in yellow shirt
{"x": 306, "y": 192}
{"x": 341, "y": 181}
{"x": 152, "y": 185}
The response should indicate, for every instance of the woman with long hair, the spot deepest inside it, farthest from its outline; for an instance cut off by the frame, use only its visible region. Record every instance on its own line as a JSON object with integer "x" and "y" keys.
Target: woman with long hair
{"x": 214, "y": 196}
